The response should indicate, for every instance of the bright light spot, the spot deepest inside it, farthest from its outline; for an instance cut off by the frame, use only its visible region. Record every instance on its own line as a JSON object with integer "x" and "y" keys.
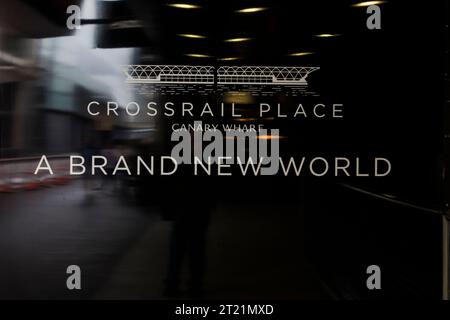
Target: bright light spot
{"x": 271, "y": 137}
{"x": 300, "y": 54}
{"x": 237, "y": 39}
{"x": 251, "y": 10}
{"x": 197, "y": 55}
{"x": 192, "y": 36}
{"x": 326, "y": 35}
{"x": 229, "y": 58}
{"x": 368, "y": 3}
{"x": 183, "y": 6}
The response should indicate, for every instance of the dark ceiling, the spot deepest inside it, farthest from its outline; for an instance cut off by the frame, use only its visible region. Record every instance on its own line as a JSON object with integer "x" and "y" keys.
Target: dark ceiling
{"x": 283, "y": 28}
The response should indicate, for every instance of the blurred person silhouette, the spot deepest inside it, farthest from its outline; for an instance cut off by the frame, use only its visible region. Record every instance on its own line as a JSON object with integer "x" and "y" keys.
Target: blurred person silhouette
{"x": 189, "y": 206}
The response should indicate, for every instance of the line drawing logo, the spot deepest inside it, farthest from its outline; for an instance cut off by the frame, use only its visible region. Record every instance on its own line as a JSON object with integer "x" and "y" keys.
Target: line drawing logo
{"x": 226, "y": 75}
{"x": 263, "y": 75}
{"x": 180, "y": 74}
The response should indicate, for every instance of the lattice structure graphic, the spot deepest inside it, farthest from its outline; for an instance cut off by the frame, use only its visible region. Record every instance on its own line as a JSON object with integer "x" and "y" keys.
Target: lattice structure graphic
{"x": 183, "y": 74}
{"x": 169, "y": 74}
{"x": 263, "y": 75}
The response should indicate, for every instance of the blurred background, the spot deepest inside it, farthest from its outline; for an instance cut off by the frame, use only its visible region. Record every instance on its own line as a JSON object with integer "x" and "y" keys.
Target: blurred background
{"x": 273, "y": 237}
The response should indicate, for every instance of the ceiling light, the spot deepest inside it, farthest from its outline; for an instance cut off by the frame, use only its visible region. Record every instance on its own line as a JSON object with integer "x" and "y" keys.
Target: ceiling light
{"x": 251, "y": 10}
{"x": 183, "y": 6}
{"x": 300, "y": 54}
{"x": 229, "y": 58}
{"x": 197, "y": 55}
{"x": 192, "y": 36}
{"x": 271, "y": 137}
{"x": 237, "y": 39}
{"x": 367, "y": 3}
{"x": 326, "y": 35}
